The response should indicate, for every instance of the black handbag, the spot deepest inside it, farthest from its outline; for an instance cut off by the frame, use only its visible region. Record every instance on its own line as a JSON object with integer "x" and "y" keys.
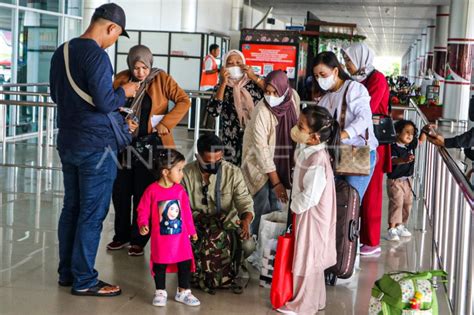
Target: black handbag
{"x": 384, "y": 129}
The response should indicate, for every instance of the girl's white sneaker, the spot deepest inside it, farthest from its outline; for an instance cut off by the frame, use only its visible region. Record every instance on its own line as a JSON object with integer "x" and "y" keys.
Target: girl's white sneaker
{"x": 160, "y": 298}
{"x": 186, "y": 297}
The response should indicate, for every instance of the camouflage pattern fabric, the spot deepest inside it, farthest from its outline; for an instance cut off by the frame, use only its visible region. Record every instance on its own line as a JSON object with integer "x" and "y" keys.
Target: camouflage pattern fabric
{"x": 217, "y": 253}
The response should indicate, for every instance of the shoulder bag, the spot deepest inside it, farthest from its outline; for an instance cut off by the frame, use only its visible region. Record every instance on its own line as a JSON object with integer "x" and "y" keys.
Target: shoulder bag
{"x": 353, "y": 161}
{"x": 120, "y": 127}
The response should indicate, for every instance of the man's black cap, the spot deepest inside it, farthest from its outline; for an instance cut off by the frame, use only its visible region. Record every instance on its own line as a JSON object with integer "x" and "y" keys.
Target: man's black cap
{"x": 112, "y": 13}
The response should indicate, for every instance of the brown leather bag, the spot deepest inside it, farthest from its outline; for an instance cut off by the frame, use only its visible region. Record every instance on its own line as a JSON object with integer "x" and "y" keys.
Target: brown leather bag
{"x": 353, "y": 161}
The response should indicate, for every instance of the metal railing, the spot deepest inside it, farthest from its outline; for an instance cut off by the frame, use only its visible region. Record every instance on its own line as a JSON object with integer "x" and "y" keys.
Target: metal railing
{"x": 13, "y": 95}
{"x": 445, "y": 197}
{"x": 446, "y": 202}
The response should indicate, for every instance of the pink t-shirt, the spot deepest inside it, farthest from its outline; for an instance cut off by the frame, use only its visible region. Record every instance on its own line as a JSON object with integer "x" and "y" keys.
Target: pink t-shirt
{"x": 171, "y": 223}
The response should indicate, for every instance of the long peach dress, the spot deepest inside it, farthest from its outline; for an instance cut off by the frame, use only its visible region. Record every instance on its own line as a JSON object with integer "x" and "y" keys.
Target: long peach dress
{"x": 314, "y": 203}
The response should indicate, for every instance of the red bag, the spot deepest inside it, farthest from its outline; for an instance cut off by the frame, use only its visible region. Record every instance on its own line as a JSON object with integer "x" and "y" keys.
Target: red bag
{"x": 282, "y": 282}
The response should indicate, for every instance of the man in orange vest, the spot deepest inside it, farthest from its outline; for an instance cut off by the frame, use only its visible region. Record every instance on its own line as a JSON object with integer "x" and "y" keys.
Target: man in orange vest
{"x": 210, "y": 73}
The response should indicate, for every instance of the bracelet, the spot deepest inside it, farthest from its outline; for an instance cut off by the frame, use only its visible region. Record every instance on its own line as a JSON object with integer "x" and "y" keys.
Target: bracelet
{"x": 273, "y": 186}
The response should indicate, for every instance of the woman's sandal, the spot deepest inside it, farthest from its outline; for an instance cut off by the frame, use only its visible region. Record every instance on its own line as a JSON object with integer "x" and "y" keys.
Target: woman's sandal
{"x": 96, "y": 290}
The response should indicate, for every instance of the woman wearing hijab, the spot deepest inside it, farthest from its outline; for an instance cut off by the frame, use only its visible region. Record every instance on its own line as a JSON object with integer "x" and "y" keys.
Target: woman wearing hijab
{"x": 359, "y": 59}
{"x": 157, "y": 88}
{"x": 268, "y": 149}
{"x": 234, "y": 99}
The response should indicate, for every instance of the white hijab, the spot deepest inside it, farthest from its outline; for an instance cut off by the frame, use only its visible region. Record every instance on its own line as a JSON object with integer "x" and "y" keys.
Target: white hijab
{"x": 363, "y": 58}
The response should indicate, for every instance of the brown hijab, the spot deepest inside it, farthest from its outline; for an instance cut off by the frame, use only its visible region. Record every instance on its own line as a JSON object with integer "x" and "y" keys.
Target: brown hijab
{"x": 285, "y": 113}
{"x": 140, "y": 53}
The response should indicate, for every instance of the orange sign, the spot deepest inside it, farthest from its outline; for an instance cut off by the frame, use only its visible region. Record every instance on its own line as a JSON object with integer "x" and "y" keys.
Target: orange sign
{"x": 265, "y": 58}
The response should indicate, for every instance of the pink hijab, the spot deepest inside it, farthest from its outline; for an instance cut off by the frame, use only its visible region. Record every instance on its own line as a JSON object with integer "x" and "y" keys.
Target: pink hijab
{"x": 243, "y": 101}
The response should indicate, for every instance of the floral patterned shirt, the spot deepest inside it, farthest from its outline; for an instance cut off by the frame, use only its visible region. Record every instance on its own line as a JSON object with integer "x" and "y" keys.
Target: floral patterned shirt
{"x": 233, "y": 133}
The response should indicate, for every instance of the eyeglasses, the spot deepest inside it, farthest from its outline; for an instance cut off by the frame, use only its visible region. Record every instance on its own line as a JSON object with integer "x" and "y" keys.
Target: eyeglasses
{"x": 204, "y": 192}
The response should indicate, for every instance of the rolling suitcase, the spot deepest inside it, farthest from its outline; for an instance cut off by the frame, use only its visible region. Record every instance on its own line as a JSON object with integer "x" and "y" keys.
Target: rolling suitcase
{"x": 347, "y": 232}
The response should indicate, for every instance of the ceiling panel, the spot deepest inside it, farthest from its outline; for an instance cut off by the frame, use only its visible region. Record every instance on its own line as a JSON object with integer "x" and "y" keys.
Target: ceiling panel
{"x": 389, "y": 25}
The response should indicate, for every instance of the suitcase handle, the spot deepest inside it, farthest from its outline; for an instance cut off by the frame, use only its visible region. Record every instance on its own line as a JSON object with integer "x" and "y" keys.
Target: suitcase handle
{"x": 353, "y": 230}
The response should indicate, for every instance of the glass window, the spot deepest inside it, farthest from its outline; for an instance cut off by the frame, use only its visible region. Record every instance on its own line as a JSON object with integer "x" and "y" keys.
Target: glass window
{"x": 185, "y": 44}
{"x": 47, "y": 5}
{"x": 7, "y": 1}
{"x": 6, "y": 45}
{"x": 72, "y": 28}
{"x": 124, "y": 44}
{"x": 157, "y": 42}
{"x": 73, "y": 7}
{"x": 37, "y": 40}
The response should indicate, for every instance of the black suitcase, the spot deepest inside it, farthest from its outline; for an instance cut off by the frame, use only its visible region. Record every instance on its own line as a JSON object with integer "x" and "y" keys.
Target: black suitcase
{"x": 347, "y": 232}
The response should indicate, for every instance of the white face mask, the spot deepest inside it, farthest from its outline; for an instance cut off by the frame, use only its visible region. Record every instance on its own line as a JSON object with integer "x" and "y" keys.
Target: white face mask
{"x": 274, "y": 101}
{"x": 235, "y": 73}
{"x": 327, "y": 83}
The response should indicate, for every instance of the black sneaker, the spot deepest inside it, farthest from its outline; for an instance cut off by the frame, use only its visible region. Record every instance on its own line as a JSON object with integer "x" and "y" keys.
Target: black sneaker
{"x": 115, "y": 245}
{"x": 135, "y": 250}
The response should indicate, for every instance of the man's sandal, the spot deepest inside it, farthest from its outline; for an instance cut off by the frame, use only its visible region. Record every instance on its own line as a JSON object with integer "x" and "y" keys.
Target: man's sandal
{"x": 98, "y": 290}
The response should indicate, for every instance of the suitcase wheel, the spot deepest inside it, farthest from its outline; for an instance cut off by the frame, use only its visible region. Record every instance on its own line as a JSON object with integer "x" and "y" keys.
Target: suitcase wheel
{"x": 331, "y": 278}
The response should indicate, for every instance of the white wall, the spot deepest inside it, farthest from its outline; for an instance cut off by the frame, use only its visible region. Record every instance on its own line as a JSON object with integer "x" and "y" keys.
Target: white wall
{"x": 214, "y": 16}
{"x": 163, "y": 15}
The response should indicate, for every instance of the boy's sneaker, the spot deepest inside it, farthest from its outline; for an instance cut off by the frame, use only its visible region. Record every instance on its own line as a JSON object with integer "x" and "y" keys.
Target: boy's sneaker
{"x": 392, "y": 235}
{"x": 403, "y": 231}
{"x": 186, "y": 297}
{"x": 367, "y": 250}
{"x": 160, "y": 298}
{"x": 116, "y": 245}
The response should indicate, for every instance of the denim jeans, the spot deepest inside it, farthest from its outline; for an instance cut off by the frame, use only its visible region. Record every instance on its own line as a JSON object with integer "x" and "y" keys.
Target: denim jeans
{"x": 264, "y": 201}
{"x": 88, "y": 181}
{"x": 360, "y": 183}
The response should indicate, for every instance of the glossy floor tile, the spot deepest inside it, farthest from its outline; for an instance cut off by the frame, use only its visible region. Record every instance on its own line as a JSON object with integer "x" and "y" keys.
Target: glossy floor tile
{"x": 30, "y": 203}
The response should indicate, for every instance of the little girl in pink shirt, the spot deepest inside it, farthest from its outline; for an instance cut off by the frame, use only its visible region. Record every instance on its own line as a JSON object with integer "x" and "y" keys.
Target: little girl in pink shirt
{"x": 166, "y": 205}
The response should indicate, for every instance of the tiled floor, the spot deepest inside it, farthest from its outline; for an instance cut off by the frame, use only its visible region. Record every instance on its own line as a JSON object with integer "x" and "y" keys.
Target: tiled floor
{"x": 30, "y": 203}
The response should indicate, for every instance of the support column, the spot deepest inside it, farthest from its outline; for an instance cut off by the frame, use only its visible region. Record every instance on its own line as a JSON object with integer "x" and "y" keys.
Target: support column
{"x": 458, "y": 66}
{"x": 441, "y": 45}
{"x": 423, "y": 57}
{"x": 189, "y": 15}
{"x": 419, "y": 57}
{"x": 89, "y": 8}
{"x": 430, "y": 43}
{"x": 412, "y": 63}
{"x": 237, "y": 9}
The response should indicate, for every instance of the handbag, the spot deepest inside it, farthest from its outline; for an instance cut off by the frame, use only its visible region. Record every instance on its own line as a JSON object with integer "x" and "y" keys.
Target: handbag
{"x": 353, "y": 160}
{"x": 384, "y": 129}
{"x": 282, "y": 282}
{"x": 123, "y": 137}
{"x": 405, "y": 293}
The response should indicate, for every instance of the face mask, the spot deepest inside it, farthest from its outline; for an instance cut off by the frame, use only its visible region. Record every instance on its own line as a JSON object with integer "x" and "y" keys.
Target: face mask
{"x": 274, "y": 101}
{"x": 298, "y": 136}
{"x": 327, "y": 83}
{"x": 235, "y": 73}
{"x": 210, "y": 168}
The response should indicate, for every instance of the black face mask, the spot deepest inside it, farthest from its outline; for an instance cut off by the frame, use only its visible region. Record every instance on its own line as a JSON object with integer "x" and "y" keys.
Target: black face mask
{"x": 210, "y": 168}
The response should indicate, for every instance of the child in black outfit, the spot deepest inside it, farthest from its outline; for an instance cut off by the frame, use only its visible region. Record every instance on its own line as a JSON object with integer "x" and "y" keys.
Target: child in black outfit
{"x": 399, "y": 181}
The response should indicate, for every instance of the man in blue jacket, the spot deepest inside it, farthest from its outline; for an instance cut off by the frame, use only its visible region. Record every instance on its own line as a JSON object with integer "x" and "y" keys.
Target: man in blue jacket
{"x": 87, "y": 147}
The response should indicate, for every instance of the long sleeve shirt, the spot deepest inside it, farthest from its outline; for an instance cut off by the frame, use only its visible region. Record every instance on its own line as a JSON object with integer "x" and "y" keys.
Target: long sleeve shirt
{"x": 358, "y": 114}
{"x": 465, "y": 140}
{"x": 235, "y": 198}
{"x": 82, "y": 126}
{"x": 171, "y": 220}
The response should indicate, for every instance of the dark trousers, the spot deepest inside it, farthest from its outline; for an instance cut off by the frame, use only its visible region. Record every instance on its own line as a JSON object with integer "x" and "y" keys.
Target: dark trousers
{"x": 88, "y": 180}
{"x": 129, "y": 187}
{"x": 184, "y": 275}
